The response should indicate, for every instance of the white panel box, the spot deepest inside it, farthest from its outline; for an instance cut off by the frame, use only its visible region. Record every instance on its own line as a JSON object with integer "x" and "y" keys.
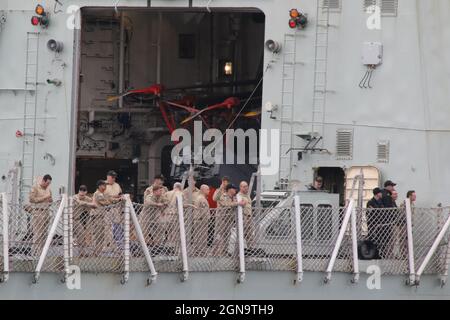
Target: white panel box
{"x": 372, "y": 53}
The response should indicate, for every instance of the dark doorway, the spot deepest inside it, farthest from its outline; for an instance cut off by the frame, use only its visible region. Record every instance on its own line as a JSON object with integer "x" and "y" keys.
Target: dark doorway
{"x": 333, "y": 181}
{"x": 89, "y": 171}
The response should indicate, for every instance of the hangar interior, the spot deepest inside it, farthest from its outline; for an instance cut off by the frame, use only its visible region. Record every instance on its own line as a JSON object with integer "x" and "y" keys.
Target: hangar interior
{"x": 141, "y": 71}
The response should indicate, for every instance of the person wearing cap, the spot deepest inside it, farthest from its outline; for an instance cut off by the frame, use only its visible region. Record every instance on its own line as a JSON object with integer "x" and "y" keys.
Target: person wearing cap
{"x": 82, "y": 204}
{"x": 317, "y": 185}
{"x": 99, "y": 229}
{"x": 225, "y": 218}
{"x": 152, "y": 217}
{"x": 40, "y": 201}
{"x": 376, "y": 202}
{"x": 114, "y": 193}
{"x": 157, "y": 181}
{"x": 387, "y": 200}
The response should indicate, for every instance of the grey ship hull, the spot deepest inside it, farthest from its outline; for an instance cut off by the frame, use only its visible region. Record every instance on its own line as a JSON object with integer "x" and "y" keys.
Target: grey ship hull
{"x": 205, "y": 286}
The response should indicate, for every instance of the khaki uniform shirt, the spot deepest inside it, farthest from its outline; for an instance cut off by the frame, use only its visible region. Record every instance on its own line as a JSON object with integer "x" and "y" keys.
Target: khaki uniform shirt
{"x": 247, "y": 208}
{"x": 149, "y": 191}
{"x": 82, "y": 200}
{"x": 195, "y": 193}
{"x": 171, "y": 197}
{"x": 101, "y": 199}
{"x": 226, "y": 201}
{"x": 112, "y": 191}
{"x": 202, "y": 206}
{"x": 153, "y": 200}
{"x": 217, "y": 194}
{"x": 39, "y": 194}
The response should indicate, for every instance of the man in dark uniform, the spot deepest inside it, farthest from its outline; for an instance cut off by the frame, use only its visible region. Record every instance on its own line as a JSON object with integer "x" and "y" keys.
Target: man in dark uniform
{"x": 387, "y": 200}
{"x": 376, "y": 202}
{"x": 317, "y": 185}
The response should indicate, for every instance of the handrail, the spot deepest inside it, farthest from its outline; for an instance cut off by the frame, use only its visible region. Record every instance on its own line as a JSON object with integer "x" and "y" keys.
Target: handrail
{"x": 184, "y": 259}
{"x": 52, "y": 232}
{"x": 148, "y": 258}
{"x": 411, "y": 279}
{"x": 432, "y": 251}
{"x": 240, "y": 231}
{"x": 342, "y": 231}
{"x": 5, "y": 216}
{"x": 298, "y": 238}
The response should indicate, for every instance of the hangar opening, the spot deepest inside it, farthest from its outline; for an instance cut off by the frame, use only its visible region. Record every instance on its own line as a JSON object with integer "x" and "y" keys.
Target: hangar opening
{"x": 145, "y": 73}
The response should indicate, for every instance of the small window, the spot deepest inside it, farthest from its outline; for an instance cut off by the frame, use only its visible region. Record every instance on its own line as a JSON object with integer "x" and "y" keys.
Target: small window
{"x": 344, "y": 144}
{"x": 383, "y": 152}
{"x": 333, "y": 5}
{"x": 388, "y": 8}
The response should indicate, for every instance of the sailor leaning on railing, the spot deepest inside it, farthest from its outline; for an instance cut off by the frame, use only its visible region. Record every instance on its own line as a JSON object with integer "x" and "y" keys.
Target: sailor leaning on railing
{"x": 40, "y": 202}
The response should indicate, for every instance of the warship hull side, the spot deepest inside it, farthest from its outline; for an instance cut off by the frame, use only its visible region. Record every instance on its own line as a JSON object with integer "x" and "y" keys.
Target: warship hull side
{"x": 222, "y": 286}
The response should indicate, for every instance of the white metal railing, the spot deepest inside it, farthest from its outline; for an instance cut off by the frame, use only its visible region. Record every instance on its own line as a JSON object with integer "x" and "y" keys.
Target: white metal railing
{"x": 5, "y": 237}
{"x": 295, "y": 238}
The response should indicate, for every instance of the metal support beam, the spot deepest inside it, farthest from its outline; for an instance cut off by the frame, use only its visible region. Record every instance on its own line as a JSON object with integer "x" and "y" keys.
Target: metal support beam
{"x": 66, "y": 238}
{"x": 126, "y": 269}
{"x": 354, "y": 248}
{"x": 148, "y": 258}
{"x": 432, "y": 251}
{"x": 5, "y": 217}
{"x": 411, "y": 280}
{"x": 240, "y": 232}
{"x": 342, "y": 231}
{"x": 185, "y": 274}
{"x": 298, "y": 238}
{"x": 52, "y": 232}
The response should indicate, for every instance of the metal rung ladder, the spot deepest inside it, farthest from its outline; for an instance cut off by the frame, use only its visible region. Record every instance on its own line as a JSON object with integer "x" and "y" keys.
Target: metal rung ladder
{"x": 29, "y": 114}
{"x": 320, "y": 68}
{"x": 287, "y": 106}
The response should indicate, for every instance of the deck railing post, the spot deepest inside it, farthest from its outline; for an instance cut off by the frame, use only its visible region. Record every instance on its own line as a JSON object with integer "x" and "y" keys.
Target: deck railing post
{"x": 354, "y": 247}
{"x": 148, "y": 258}
{"x": 411, "y": 280}
{"x": 298, "y": 238}
{"x": 185, "y": 274}
{"x": 48, "y": 242}
{"x": 5, "y": 217}
{"x": 240, "y": 232}
{"x": 342, "y": 231}
{"x": 66, "y": 237}
{"x": 432, "y": 251}
{"x": 126, "y": 249}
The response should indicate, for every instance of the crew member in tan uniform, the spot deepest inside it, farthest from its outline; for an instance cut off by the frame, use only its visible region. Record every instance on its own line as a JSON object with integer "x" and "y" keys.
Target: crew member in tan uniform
{"x": 187, "y": 199}
{"x": 225, "y": 219}
{"x": 98, "y": 227}
{"x": 219, "y": 192}
{"x": 201, "y": 222}
{"x": 40, "y": 200}
{"x": 151, "y": 219}
{"x": 158, "y": 181}
{"x": 115, "y": 219}
{"x": 170, "y": 214}
{"x": 249, "y": 229}
{"x": 82, "y": 204}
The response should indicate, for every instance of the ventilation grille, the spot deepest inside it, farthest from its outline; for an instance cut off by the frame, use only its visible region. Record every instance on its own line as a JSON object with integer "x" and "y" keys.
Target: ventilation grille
{"x": 383, "y": 152}
{"x": 333, "y": 5}
{"x": 344, "y": 144}
{"x": 389, "y": 8}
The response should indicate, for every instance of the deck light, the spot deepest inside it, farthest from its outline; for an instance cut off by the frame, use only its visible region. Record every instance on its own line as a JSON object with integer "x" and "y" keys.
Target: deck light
{"x": 42, "y": 18}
